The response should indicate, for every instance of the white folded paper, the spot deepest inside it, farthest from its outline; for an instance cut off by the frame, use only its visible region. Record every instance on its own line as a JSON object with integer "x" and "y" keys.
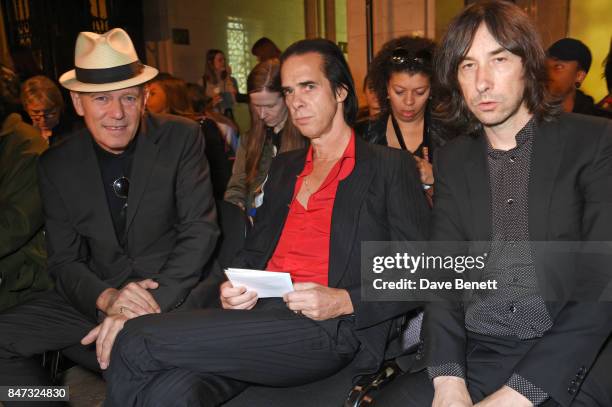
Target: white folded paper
{"x": 265, "y": 283}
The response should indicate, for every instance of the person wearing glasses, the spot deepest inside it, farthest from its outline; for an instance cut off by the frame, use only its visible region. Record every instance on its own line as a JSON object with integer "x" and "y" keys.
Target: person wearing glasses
{"x": 129, "y": 215}
{"x": 43, "y": 102}
{"x": 271, "y": 133}
{"x": 22, "y": 245}
{"x": 401, "y": 77}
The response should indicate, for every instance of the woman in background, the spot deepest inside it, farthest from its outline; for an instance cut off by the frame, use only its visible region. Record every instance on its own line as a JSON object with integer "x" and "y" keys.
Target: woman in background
{"x": 218, "y": 84}
{"x": 401, "y": 77}
{"x": 271, "y": 133}
{"x": 169, "y": 95}
{"x": 264, "y": 49}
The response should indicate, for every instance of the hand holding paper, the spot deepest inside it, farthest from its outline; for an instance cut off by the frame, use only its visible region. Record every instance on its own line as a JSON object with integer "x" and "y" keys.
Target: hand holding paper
{"x": 264, "y": 283}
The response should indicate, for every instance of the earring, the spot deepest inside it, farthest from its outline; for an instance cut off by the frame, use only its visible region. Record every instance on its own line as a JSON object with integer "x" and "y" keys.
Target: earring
{"x": 577, "y": 85}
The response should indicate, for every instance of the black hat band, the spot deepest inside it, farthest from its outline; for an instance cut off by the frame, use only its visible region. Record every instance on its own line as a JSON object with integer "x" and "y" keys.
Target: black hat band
{"x": 109, "y": 75}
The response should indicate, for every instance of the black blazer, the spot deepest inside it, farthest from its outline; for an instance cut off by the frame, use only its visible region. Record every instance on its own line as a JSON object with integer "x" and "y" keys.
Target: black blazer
{"x": 381, "y": 200}
{"x": 570, "y": 199}
{"x": 171, "y": 225}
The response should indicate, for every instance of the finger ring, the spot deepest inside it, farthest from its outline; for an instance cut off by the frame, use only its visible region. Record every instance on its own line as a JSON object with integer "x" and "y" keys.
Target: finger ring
{"x": 121, "y": 310}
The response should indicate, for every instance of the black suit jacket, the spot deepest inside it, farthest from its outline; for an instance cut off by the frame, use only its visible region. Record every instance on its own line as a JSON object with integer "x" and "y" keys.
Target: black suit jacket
{"x": 170, "y": 228}
{"x": 570, "y": 199}
{"x": 381, "y": 200}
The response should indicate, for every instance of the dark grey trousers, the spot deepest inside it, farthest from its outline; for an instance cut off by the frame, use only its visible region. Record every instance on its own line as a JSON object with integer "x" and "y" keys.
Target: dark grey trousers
{"x": 489, "y": 365}
{"x": 48, "y": 322}
{"x": 161, "y": 360}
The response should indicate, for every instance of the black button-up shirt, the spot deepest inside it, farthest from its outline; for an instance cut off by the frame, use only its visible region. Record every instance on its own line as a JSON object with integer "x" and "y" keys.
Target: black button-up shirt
{"x": 516, "y": 308}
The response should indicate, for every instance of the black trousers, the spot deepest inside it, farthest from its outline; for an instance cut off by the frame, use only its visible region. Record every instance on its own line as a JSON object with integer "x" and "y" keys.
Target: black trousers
{"x": 161, "y": 360}
{"x": 49, "y": 322}
{"x": 490, "y": 363}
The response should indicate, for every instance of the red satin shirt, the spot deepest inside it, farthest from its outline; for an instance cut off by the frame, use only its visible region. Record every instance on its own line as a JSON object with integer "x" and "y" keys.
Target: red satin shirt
{"x": 303, "y": 248}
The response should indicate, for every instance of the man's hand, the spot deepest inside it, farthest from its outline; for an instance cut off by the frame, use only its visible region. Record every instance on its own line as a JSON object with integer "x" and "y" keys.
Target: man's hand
{"x": 104, "y": 335}
{"x": 450, "y": 391}
{"x": 133, "y": 300}
{"x": 505, "y": 397}
{"x": 319, "y": 302}
{"x": 237, "y": 297}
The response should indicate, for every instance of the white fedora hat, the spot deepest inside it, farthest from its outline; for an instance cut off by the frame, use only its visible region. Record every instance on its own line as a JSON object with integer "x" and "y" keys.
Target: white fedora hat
{"x": 105, "y": 62}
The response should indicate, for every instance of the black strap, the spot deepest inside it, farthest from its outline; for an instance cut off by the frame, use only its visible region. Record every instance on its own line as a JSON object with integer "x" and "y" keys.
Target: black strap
{"x": 400, "y": 137}
{"x": 109, "y": 75}
{"x": 398, "y": 133}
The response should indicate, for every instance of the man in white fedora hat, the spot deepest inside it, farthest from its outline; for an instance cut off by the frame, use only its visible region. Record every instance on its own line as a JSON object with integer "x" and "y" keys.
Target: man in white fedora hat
{"x": 130, "y": 218}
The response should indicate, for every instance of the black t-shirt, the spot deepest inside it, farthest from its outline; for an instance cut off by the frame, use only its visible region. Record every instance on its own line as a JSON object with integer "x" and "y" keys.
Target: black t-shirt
{"x": 114, "y": 167}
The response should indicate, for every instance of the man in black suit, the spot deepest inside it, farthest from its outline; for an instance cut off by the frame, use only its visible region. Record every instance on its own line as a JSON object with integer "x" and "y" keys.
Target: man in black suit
{"x": 320, "y": 204}
{"x": 129, "y": 214}
{"x": 523, "y": 172}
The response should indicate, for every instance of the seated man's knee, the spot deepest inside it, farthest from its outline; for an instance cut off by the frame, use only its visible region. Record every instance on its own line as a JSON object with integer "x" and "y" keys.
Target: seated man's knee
{"x": 130, "y": 338}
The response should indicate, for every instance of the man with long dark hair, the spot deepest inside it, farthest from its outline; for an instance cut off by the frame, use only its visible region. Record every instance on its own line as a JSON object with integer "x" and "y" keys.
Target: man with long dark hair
{"x": 371, "y": 193}
{"x": 520, "y": 173}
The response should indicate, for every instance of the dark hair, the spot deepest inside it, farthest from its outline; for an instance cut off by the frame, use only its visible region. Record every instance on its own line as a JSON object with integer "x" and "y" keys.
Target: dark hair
{"x": 210, "y": 76}
{"x": 367, "y": 83}
{"x": 196, "y": 97}
{"x": 266, "y": 77}
{"x": 415, "y": 56}
{"x": 264, "y": 49}
{"x": 334, "y": 67}
{"x": 515, "y": 32}
{"x": 607, "y": 63}
{"x": 177, "y": 94}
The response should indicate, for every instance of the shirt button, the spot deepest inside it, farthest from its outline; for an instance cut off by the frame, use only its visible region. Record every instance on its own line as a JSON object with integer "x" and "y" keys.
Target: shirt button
{"x": 512, "y": 158}
{"x": 512, "y": 309}
{"x": 510, "y": 201}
